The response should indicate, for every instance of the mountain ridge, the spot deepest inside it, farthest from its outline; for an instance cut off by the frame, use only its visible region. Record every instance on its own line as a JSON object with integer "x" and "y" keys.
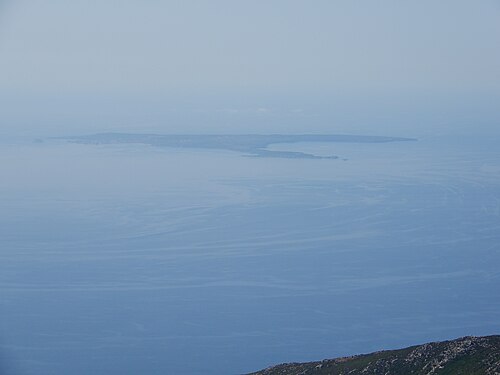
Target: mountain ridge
{"x": 469, "y": 355}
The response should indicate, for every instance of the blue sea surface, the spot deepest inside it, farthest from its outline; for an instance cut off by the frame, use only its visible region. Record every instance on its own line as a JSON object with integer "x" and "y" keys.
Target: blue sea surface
{"x": 130, "y": 259}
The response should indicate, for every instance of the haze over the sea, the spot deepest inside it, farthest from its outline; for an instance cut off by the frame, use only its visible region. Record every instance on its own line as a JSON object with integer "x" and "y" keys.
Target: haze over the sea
{"x": 342, "y": 67}
{"x": 214, "y": 187}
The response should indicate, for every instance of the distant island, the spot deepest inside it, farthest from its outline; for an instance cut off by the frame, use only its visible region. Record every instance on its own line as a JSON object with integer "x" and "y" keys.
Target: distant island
{"x": 250, "y": 144}
{"x": 464, "y": 356}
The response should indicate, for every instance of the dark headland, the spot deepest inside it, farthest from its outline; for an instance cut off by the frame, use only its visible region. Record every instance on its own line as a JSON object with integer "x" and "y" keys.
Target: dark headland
{"x": 463, "y": 356}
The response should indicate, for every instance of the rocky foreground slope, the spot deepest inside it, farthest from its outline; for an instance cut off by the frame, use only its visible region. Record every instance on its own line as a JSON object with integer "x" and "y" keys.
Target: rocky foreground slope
{"x": 464, "y": 356}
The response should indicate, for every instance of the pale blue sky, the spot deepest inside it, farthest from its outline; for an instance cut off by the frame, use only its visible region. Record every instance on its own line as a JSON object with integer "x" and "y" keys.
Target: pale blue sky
{"x": 348, "y": 49}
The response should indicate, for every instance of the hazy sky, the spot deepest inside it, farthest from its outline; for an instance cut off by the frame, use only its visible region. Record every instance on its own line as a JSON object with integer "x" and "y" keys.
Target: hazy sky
{"x": 356, "y": 49}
